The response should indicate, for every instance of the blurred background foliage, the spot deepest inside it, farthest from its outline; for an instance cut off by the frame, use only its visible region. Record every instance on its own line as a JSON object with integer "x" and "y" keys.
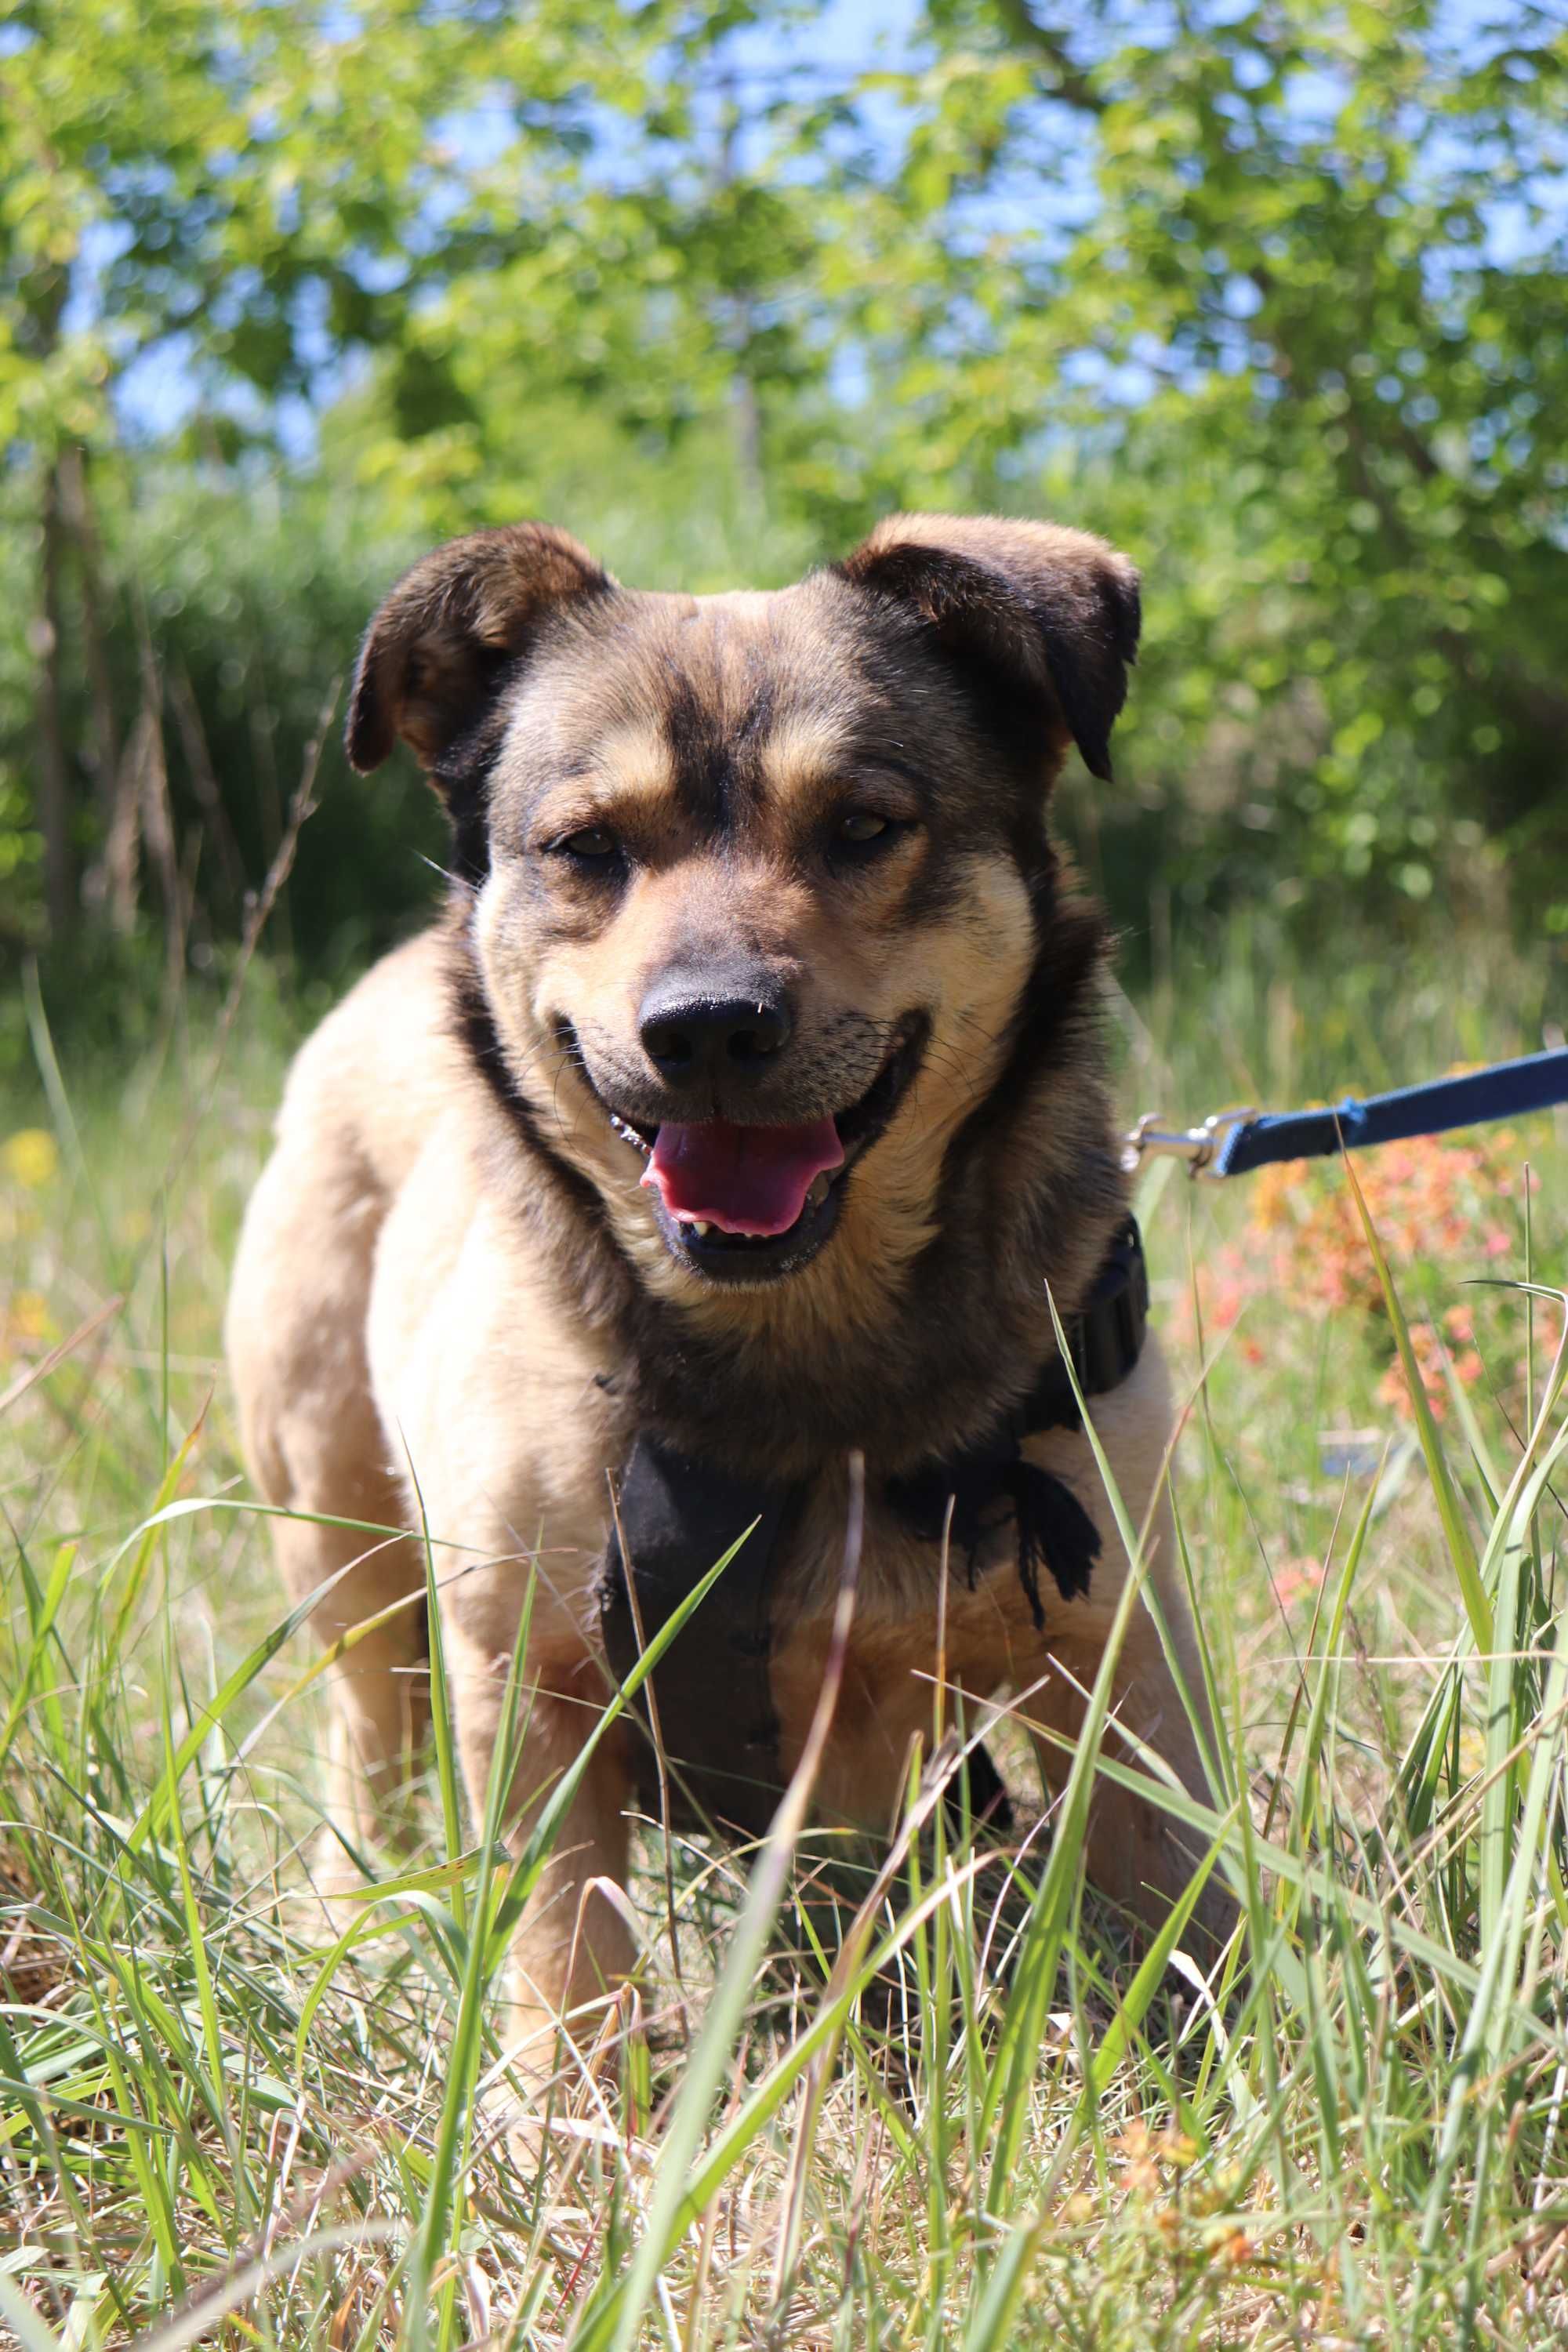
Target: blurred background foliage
{"x": 1275, "y": 295}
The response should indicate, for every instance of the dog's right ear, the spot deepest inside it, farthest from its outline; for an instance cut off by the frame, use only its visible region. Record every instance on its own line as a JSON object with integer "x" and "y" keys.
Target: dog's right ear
{"x": 436, "y": 650}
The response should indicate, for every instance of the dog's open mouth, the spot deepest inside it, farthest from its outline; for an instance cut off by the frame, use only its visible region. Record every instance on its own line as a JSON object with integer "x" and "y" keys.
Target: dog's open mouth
{"x": 744, "y": 1201}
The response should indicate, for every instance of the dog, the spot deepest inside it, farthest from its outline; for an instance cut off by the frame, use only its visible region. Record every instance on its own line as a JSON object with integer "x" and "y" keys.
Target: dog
{"x": 744, "y": 1113}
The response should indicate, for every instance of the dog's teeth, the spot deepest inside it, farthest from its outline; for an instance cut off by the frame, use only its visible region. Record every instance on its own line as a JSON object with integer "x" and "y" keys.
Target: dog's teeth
{"x": 699, "y": 1229}
{"x": 818, "y": 1193}
{"x": 629, "y": 1135}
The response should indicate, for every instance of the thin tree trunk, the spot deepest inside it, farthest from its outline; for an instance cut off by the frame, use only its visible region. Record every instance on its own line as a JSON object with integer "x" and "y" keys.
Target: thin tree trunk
{"x": 116, "y": 871}
{"x": 76, "y": 496}
{"x": 157, "y": 814}
{"x": 109, "y": 881}
{"x": 54, "y": 792}
{"x": 205, "y": 782}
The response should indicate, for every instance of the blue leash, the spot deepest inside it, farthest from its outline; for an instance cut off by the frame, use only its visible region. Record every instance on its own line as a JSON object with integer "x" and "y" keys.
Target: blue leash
{"x": 1234, "y": 1142}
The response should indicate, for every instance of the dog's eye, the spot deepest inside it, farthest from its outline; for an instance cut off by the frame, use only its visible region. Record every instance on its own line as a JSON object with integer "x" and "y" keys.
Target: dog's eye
{"x": 858, "y": 826}
{"x": 593, "y": 842}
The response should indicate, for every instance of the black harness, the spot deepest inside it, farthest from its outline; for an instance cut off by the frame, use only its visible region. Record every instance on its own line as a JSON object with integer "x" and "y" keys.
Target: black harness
{"x": 712, "y": 1690}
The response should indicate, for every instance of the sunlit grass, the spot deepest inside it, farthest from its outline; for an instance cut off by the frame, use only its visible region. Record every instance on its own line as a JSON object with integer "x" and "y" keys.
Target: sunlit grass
{"x": 918, "y": 2094}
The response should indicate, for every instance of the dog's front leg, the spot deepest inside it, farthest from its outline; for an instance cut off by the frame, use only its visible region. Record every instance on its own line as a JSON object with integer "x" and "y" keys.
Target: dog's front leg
{"x": 573, "y": 1949}
{"x": 1135, "y": 1852}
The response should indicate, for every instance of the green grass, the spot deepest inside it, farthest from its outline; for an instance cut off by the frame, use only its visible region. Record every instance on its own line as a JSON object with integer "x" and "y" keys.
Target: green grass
{"x": 918, "y": 2095}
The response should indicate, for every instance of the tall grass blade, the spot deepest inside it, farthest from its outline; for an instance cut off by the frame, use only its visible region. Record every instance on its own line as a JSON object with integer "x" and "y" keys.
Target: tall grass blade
{"x": 1450, "y": 1509}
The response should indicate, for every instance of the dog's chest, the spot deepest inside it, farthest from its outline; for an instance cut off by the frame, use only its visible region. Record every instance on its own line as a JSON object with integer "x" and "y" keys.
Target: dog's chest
{"x": 748, "y": 1650}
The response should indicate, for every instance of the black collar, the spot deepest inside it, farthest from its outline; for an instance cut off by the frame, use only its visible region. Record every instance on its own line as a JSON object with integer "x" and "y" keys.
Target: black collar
{"x": 678, "y": 1516}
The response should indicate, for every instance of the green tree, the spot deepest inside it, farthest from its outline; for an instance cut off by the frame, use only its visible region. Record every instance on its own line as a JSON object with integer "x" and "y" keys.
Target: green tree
{"x": 1275, "y": 294}
{"x": 1280, "y": 296}
{"x": 250, "y": 200}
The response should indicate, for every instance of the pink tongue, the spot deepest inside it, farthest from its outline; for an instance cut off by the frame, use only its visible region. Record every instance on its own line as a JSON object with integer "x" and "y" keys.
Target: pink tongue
{"x": 744, "y": 1180}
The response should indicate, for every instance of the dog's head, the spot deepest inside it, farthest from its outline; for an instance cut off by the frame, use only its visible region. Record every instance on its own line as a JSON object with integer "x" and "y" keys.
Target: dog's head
{"x": 757, "y": 880}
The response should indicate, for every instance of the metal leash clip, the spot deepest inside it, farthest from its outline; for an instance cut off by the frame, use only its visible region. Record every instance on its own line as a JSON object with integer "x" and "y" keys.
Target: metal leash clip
{"x": 1198, "y": 1145}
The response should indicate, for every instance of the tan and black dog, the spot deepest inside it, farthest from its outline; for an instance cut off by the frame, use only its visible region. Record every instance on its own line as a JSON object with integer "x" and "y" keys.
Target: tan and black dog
{"x": 737, "y": 1116}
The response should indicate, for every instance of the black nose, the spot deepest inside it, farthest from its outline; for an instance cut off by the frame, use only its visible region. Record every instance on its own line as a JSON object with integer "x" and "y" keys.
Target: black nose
{"x": 694, "y": 1032}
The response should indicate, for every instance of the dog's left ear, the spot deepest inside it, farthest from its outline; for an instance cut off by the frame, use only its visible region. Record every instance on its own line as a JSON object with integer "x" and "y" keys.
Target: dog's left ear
{"x": 1052, "y": 615}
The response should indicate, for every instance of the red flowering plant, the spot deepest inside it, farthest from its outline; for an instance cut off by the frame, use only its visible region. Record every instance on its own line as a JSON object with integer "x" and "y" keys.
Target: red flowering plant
{"x": 1445, "y": 1209}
